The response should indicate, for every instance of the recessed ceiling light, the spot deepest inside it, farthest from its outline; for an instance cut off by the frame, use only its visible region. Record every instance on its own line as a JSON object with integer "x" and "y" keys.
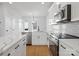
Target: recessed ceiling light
{"x": 10, "y": 2}
{"x": 42, "y": 2}
{"x": 58, "y": 3}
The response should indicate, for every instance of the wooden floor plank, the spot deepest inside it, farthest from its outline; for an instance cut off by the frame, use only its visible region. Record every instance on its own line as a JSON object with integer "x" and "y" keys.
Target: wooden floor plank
{"x": 37, "y": 50}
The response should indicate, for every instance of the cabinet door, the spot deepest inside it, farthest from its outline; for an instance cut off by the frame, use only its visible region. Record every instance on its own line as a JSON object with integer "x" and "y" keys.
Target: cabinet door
{"x": 23, "y": 50}
{"x": 43, "y": 39}
{"x": 64, "y": 50}
{"x": 17, "y": 50}
{"x": 53, "y": 50}
{"x": 35, "y": 38}
{"x": 39, "y": 38}
{"x": 23, "y": 47}
{"x": 9, "y": 52}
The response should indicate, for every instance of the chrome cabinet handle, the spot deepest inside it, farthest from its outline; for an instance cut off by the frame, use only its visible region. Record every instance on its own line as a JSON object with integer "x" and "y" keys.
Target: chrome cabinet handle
{"x": 16, "y": 46}
{"x": 9, "y": 54}
{"x": 63, "y": 47}
{"x": 72, "y": 54}
{"x": 23, "y": 39}
{"x": 55, "y": 39}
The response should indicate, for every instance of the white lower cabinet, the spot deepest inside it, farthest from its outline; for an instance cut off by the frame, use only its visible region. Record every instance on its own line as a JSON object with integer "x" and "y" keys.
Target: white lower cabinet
{"x": 8, "y": 53}
{"x": 65, "y": 50}
{"x": 23, "y": 47}
{"x": 23, "y": 50}
{"x": 19, "y": 49}
{"x": 39, "y": 38}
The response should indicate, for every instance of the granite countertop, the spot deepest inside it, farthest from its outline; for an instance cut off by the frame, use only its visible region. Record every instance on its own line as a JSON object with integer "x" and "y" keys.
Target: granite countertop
{"x": 68, "y": 36}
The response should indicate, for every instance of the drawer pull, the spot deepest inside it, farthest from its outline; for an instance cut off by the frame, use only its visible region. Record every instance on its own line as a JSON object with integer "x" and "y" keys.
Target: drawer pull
{"x": 55, "y": 39}
{"x": 9, "y": 54}
{"x": 24, "y": 40}
{"x": 72, "y": 54}
{"x": 17, "y": 47}
{"x": 63, "y": 47}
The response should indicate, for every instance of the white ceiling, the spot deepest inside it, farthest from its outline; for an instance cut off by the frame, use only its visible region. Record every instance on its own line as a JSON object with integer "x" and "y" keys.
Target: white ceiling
{"x": 29, "y": 8}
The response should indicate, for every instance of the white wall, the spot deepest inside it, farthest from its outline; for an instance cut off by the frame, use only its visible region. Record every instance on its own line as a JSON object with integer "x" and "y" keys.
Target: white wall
{"x": 2, "y": 21}
{"x": 42, "y": 23}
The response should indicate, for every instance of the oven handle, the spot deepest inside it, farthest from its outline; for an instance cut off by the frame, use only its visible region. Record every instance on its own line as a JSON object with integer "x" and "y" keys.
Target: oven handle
{"x": 63, "y": 47}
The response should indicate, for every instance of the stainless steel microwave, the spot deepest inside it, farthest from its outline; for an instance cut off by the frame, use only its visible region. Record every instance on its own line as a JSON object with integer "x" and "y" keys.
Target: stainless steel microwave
{"x": 65, "y": 14}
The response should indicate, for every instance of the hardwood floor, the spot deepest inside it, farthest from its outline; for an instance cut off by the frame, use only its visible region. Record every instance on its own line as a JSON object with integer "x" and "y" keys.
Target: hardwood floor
{"x": 37, "y": 50}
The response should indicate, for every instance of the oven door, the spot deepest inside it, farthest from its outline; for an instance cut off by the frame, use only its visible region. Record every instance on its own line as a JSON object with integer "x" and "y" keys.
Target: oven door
{"x": 53, "y": 48}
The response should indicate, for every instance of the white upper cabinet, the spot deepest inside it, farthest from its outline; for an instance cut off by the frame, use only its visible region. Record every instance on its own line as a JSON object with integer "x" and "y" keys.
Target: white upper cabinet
{"x": 53, "y": 10}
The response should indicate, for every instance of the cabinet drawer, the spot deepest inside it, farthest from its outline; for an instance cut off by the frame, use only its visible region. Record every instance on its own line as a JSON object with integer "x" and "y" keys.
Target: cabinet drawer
{"x": 65, "y": 50}
{"x": 65, "y": 46}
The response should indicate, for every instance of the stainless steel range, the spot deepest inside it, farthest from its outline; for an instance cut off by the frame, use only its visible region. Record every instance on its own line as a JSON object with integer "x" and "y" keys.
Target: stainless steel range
{"x": 54, "y": 44}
